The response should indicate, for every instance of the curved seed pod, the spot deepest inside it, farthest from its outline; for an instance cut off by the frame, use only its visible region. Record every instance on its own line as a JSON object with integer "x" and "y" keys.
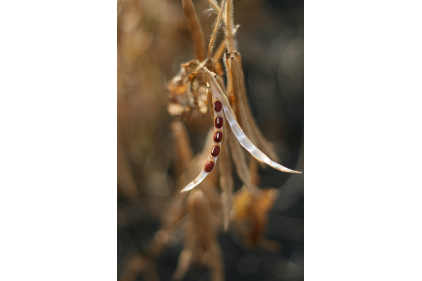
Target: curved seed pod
{"x": 217, "y": 92}
{"x": 220, "y": 82}
{"x": 239, "y": 161}
{"x": 242, "y": 114}
{"x": 242, "y": 110}
{"x": 212, "y": 177}
{"x": 215, "y": 149}
{"x": 237, "y": 130}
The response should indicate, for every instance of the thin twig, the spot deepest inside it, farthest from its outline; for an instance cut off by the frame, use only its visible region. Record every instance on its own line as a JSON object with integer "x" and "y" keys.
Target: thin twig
{"x": 214, "y": 5}
{"x": 214, "y": 33}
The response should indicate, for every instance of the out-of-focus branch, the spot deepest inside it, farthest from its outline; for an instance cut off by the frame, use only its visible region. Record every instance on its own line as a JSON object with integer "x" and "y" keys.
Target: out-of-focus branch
{"x": 195, "y": 28}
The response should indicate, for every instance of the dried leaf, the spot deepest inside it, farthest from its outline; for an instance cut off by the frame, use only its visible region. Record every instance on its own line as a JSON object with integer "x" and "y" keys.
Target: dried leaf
{"x": 250, "y": 213}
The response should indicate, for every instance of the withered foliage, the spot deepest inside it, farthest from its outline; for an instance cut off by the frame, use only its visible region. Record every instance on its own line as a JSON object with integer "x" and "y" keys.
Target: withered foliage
{"x": 209, "y": 209}
{"x": 189, "y": 99}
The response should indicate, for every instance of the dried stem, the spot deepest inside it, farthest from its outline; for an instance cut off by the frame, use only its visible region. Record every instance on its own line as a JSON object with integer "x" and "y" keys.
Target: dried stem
{"x": 222, "y": 47}
{"x": 214, "y": 5}
{"x": 214, "y": 33}
{"x": 220, "y": 51}
{"x": 228, "y": 74}
{"x": 231, "y": 45}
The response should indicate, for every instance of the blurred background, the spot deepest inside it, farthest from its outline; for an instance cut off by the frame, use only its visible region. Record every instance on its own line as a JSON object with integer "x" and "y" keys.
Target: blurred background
{"x": 153, "y": 40}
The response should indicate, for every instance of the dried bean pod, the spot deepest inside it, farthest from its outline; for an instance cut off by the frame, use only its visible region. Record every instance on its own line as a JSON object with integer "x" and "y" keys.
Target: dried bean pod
{"x": 195, "y": 28}
{"x": 237, "y": 130}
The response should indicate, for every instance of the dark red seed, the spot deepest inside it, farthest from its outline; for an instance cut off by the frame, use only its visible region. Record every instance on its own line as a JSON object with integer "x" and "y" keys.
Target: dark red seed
{"x": 215, "y": 150}
{"x": 208, "y": 166}
{"x": 217, "y": 106}
{"x": 218, "y": 136}
{"x": 218, "y": 122}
